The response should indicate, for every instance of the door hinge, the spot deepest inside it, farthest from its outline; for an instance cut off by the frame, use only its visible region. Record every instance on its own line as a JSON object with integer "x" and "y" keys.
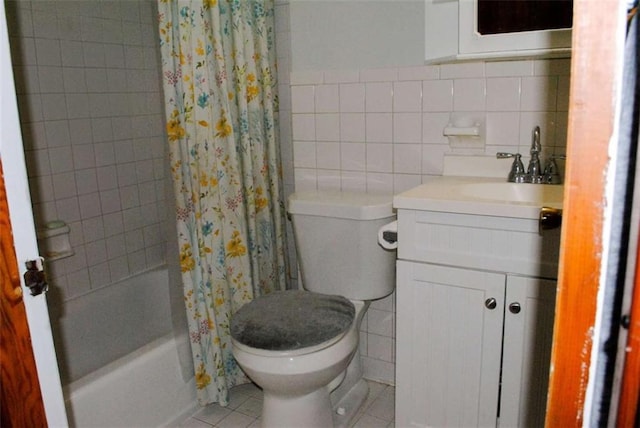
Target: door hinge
{"x": 35, "y": 278}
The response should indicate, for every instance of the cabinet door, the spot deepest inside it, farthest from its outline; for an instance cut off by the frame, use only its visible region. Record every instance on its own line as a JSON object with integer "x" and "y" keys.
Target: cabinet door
{"x": 528, "y": 335}
{"x": 448, "y": 345}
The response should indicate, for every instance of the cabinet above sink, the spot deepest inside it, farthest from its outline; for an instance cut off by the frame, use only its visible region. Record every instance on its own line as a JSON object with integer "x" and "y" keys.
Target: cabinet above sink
{"x": 489, "y": 29}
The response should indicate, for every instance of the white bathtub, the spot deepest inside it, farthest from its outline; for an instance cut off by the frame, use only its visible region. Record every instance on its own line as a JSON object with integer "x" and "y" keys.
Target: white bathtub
{"x": 118, "y": 353}
{"x": 142, "y": 389}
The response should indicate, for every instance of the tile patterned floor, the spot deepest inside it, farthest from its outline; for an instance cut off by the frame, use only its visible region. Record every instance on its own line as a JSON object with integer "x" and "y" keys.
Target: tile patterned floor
{"x": 245, "y": 408}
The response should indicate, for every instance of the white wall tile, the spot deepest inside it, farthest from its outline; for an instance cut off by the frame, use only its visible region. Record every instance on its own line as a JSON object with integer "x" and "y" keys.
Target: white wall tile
{"x": 407, "y": 128}
{"x": 402, "y": 182}
{"x": 303, "y": 99}
{"x": 93, "y": 229}
{"x": 503, "y": 94}
{"x": 437, "y": 95}
{"x": 503, "y": 128}
{"x": 303, "y": 127}
{"x": 469, "y": 95}
{"x": 379, "y": 75}
{"x": 433, "y": 125}
{"x": 53, "y": 106}
{"x": 379, "y": 157}
{"x": 73, "y": 79}
{"x": 352, "y": 97}
{"x": 328, "y": 155}
{"x": 352, "y": 127}
{"x": 353, "y": 181}
{"x": 107, "y": 178}
{"x": 327, "y": 99}
{"x": 562, "y": 103}
{"x": 353, "y": 156}
{"x": 380, "y": 322}
{"x": 407, "y": 158}
{"x": 327, "y": 127}
{"x": 556, "y": 67}
{"x": 50, "y": 78}
{"x": 89, "y": 205}
{"x": 60, "y": 159}
{"x": 407, "y": 96}
{"x": 379, "y": 97}
{"x": 304, "y": 154}
{"x": 305, "y": 179}
{"x": 86, "y": 181}
{"x": 539, "y": 93}
{"x": 68, "y": 209}
{"x": 463, "y": 70}
{"x": 329, "y": 179}
{"x": 423, "y": 72}
{"x": 509, "y": 68}
{"x": 48, "y": 52}
{"x": 547, "y": 123}
{"x": 64, "y": 185}
{"x": 341, "y": 76}
{"x": 110, "y": 201}
{"x": 378, "y": 182}
{"x": 379, "y": 347}
{"x": 379, "y": 127}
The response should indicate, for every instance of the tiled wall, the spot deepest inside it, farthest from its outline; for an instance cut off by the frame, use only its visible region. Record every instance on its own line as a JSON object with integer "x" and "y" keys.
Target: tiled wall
{"x": 381, "y": 130}
{"x": 89, "y": 94}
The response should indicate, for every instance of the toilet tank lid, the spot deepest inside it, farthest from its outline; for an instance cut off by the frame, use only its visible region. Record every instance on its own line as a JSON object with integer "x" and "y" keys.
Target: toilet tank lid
{"x": 347, "y": 205}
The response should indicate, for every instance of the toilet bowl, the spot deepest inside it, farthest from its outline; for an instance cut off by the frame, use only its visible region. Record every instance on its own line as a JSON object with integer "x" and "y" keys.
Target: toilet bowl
{"x": 301, "y": 347}
{"x": 297, "y": 382}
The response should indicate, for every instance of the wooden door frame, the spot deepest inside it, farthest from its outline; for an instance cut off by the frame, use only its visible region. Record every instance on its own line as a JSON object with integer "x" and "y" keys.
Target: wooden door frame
{"x": 596, "y": 61}
{"x": 22, "y": 403}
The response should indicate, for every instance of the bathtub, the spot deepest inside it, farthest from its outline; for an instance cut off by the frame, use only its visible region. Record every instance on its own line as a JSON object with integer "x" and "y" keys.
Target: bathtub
{"x": 122, "y": 362}
{"x": 142, "y": 389}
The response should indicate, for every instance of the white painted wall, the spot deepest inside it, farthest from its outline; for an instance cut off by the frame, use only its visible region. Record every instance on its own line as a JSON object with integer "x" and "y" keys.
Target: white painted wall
{"x": 350, "y": 34}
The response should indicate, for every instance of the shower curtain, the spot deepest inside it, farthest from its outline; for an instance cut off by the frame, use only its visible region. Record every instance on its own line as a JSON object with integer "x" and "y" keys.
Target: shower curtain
{"x": 219, "y": 73}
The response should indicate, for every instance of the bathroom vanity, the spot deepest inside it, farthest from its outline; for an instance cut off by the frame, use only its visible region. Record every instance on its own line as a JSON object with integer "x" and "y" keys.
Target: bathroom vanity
{"x": 475, "y": 302}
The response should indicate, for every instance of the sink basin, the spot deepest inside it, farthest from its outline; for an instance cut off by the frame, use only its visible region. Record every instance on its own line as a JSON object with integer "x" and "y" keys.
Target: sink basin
{"x": 481, "y": 195}
{"x": 514, "y": 192}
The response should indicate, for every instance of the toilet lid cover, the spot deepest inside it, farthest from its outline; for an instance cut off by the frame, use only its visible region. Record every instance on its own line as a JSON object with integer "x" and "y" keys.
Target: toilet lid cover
{"x": 290, "y": 320}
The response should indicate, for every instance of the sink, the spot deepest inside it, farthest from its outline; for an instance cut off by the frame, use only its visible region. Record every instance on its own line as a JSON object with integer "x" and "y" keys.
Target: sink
{"x": 481, "y": 195}
{"x": 514, "y": 192}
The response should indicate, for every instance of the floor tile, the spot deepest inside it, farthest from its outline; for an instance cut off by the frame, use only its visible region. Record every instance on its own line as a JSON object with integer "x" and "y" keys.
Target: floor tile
{"x": 194, "y": 423}
{"x": 236, "y": 420}
{"x": 368, "y": 421}
{"x": 212, "y": 414}
{"x": 251, "y": 407}
{"x": 383, "y": 407}
{"x": 245, "y": 408}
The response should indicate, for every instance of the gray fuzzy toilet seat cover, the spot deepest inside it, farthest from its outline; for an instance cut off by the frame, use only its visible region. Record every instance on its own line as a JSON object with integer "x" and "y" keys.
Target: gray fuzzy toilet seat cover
{"x": 290, "y": 320}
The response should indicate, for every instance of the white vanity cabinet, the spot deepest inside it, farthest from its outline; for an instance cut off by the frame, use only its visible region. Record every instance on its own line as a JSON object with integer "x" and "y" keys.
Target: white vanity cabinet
{"x": 470, "y": 30}
{"x": 474, "y": 319}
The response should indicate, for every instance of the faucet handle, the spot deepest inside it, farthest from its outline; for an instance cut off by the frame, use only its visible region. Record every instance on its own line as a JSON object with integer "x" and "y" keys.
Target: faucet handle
{"x": 551, "y": 175}
{"x": 517, "y": 173}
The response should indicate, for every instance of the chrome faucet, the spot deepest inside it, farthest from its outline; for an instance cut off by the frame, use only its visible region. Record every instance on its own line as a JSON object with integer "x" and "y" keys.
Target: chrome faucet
{"x": 517, "y": 174}
{"x": 551, "y": 173}
{"x": 534, "y": 173}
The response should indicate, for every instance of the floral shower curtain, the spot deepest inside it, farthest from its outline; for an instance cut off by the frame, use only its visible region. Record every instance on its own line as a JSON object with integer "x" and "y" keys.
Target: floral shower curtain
{"x": 218, "y": 63}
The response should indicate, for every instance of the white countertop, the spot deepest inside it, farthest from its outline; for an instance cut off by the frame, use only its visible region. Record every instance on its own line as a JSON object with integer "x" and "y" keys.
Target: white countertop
{"x": 481, "y": 196}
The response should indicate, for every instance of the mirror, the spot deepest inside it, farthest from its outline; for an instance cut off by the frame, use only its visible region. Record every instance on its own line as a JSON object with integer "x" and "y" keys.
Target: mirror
{"x": 499, "y": 16}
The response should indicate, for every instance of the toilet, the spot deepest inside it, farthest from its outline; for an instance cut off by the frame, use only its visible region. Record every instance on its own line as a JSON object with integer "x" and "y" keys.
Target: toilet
{"x": 301, "y": 346}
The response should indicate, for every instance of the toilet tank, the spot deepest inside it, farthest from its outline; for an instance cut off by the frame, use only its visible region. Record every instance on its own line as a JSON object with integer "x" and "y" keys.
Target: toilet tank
{"x": 336, "y": 235}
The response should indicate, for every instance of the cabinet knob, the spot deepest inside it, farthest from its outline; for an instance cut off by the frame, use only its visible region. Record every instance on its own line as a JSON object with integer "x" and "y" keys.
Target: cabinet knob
{"x": 515, "y": 308}
{"x": 491, "y": 303}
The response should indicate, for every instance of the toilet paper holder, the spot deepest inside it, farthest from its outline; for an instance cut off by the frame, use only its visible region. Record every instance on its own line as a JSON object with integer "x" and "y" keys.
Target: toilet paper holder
{"x": 388, "y": 236}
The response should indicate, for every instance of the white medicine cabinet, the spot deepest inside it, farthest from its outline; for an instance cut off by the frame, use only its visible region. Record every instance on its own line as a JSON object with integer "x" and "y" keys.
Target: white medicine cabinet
{"x": 496, "y": 29}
